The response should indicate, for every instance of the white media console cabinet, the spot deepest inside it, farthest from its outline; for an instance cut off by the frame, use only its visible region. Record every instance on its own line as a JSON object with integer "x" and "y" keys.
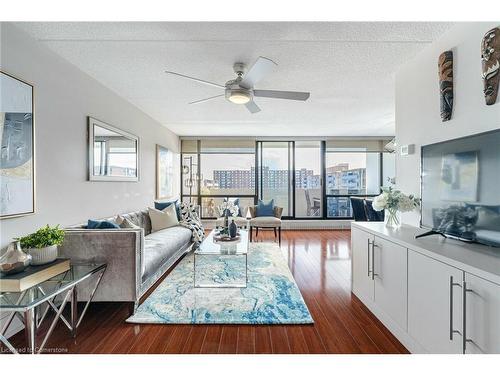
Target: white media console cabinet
{"x": 435, "y": 295}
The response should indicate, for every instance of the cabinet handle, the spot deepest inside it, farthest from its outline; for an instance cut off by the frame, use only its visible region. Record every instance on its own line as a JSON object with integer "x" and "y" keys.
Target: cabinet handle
{"x": 452, "y": 331}
{"x": 368, "y": 263}
{"x": 465, "y": 340}
{"x": 373, "y": 260}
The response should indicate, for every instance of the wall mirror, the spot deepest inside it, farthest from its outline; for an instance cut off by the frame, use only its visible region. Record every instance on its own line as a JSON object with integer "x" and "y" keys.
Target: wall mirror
{"x": 113, "y": 153}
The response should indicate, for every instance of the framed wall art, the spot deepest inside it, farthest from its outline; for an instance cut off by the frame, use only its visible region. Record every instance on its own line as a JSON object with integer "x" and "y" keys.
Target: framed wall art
{"x": 17, "y": 155}
{"x": 164, "y": 172}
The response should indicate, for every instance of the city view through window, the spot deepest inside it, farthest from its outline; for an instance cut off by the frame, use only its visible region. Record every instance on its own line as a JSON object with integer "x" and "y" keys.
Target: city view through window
{"x": 230, "y": 176}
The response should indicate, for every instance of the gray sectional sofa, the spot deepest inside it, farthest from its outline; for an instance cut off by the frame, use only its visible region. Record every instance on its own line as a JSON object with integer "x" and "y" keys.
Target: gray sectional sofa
{"x": 136, "y": 258}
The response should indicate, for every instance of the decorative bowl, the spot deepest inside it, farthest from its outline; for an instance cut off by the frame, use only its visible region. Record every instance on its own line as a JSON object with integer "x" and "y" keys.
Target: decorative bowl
{"x": 42, "y": 255}
{"x": 226, "y": 238}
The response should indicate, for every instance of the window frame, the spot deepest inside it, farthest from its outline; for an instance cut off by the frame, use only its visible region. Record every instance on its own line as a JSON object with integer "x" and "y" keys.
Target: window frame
{"x": 199, "y": 197}
{"x": 291, "y": 170}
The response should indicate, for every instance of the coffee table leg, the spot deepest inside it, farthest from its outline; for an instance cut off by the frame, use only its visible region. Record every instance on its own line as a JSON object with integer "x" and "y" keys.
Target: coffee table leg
{"x": 194, "y": 270}
{"x": 30, "y": 330}
{"x": 74, "y": 312}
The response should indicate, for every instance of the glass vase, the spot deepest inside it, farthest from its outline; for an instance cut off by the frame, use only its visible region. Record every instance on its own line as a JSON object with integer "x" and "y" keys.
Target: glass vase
{"x": 392, "y": 218}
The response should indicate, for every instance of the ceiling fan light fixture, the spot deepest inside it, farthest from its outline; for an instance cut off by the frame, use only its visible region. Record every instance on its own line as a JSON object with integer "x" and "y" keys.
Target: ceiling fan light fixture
{"x": 238, "y": 96}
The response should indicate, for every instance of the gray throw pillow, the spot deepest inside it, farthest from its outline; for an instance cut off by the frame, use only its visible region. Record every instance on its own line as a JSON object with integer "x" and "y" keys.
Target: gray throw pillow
{"x": 123, "y": 222}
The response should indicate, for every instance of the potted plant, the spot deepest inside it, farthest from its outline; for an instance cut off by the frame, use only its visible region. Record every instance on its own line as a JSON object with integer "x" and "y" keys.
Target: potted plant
{"x": 394, "y": 202}
{"x": 42, "y": 245}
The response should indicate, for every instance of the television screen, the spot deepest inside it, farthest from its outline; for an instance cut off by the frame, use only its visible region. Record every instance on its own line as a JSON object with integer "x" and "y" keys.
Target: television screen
{"x": 461, "y": 188}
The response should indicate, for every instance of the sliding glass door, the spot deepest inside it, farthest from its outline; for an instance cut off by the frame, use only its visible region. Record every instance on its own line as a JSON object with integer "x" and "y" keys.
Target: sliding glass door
{"x": 308, "y": 179}
{"x": 350, "y": 174}
{"x": 275, "y": 174}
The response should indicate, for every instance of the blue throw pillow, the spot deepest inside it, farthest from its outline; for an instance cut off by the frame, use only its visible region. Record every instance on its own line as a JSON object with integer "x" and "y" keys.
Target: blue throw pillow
{"x": 101, "y": 224}
{"x": 162, "y": 205}
{"x": 265, "y": 209}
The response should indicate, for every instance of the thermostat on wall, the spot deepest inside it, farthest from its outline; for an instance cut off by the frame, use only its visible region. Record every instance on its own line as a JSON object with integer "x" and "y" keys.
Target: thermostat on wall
{"x": 407, "y": 149}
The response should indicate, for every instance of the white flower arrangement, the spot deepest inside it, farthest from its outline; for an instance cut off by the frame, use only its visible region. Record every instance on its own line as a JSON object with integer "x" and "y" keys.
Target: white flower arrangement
{"x": 230, "y": 206}
{"x": 392, "y": 199}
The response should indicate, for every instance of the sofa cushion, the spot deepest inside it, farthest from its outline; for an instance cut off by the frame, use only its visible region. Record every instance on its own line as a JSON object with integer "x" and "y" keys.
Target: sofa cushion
{"x": 160, "y": 246}
{"x": 265, "y": 222}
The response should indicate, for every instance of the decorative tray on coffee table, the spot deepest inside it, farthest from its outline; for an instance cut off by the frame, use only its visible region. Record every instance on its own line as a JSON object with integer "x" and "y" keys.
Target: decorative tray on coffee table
{"x": 218, "y": 237}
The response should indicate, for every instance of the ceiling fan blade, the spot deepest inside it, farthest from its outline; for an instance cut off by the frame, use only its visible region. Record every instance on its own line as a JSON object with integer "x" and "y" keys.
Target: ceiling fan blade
{"x": 252, "y": 107}
{"x": 291, "y": 95}
{"x": 206, "y": 99}
{"x": 262, "y": 67}
{"x": 196, "y": 79}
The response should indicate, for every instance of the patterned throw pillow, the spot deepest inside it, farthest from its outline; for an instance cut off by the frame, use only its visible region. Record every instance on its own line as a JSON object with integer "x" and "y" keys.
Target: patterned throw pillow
{"x": 191, "y": 220}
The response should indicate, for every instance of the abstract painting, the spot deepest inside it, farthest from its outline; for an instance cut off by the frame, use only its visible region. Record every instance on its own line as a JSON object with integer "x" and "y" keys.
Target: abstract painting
{"x": 459, "y": 177}
{"x": 164, "y": 172}
{"x": 17, "y": 174}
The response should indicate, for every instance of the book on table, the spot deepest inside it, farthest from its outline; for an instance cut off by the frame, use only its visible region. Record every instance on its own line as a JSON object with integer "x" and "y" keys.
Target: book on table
{"x": 33, "y": 275}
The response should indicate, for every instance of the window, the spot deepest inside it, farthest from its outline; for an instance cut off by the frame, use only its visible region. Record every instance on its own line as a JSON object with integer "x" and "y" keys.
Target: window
{"x": 276, "y": 174}
{"x": 217, "y": 170}
{"x": 349, "y": 173}
{"x": 227, "y": 174}
{"x": 309, "y": 179}
{"x": 308, "y": 189}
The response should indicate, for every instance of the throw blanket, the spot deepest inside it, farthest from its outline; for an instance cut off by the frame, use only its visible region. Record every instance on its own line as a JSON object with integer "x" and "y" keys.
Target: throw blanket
{"x": 191, "y": 220}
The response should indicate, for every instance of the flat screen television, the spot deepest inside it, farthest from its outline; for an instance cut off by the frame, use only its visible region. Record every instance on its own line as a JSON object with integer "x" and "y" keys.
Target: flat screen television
{"x": 460, "y": 188}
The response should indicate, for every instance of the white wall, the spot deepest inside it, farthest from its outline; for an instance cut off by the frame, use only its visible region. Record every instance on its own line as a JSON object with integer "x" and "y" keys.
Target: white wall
{"x": 64, "y": 97}
{"x": 418, "y": 118}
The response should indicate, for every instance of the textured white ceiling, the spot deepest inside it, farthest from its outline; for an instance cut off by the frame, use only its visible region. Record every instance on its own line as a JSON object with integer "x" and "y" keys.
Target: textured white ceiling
{"x": 348, "y": 68}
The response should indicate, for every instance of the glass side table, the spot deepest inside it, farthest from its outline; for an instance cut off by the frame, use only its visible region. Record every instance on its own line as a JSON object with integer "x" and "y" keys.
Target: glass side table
{"x": 32, "y": 305}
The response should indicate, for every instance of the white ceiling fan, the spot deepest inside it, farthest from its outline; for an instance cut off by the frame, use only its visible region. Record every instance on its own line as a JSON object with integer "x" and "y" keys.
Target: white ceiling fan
{"x": 241, "y": 89}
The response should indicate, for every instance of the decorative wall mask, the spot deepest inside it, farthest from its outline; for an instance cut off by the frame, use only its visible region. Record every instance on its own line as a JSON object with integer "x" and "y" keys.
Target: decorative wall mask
{"x": 445, "y": 65}
{"x": 490, "y": 59}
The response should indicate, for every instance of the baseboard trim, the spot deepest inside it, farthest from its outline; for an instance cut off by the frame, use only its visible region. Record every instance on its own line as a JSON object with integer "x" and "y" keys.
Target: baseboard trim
{"x": 300, "y": 224}
{"x": 400, "y": 333}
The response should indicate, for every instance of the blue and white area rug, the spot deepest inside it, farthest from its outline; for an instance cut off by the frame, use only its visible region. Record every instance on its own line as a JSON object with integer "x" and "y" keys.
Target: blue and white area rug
{"x": 271, "y": 295}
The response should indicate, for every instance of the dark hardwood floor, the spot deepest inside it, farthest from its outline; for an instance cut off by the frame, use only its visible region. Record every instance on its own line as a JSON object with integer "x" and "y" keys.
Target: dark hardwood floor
{"x": 320, "y": 263}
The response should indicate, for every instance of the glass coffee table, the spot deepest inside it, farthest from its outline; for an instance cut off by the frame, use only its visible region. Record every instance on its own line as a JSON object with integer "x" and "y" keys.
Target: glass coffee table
{"x": 221, "y": 264}
{"x": 32, "y": 305}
